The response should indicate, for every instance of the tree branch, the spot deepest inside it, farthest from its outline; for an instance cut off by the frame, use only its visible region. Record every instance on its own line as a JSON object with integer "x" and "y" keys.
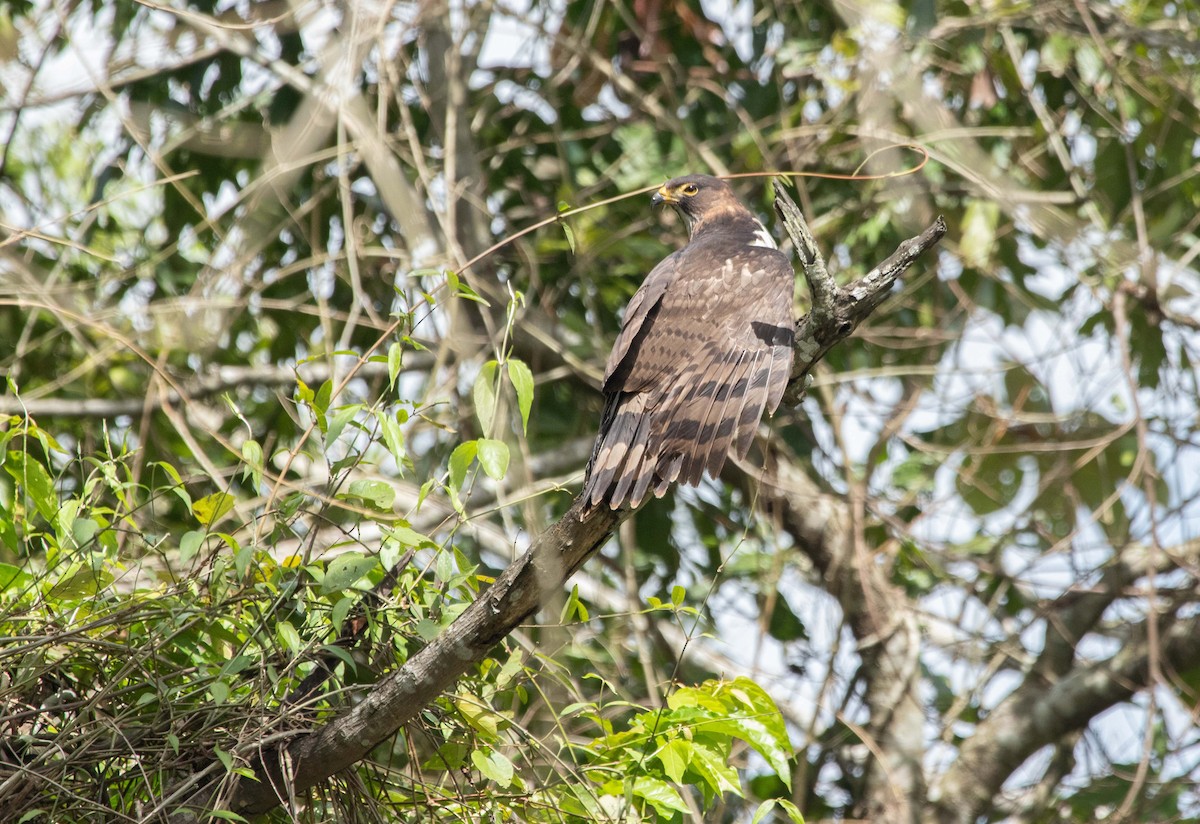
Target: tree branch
{"x": 1058, "y": 695}
{"x": 1031, "y": 718}
{"x": 837, "y": 312}
{"x": 522, "y": 588}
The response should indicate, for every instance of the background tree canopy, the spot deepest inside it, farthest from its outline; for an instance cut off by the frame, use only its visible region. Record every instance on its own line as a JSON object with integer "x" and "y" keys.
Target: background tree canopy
{"x": 276, "y": 412}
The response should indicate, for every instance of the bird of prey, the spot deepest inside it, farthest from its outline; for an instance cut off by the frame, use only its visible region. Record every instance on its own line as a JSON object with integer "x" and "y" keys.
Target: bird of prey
{"x": 705, "y": 346}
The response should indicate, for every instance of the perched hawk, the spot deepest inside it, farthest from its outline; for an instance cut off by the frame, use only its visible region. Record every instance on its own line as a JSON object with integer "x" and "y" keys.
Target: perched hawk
{"x": 705, "y": 347}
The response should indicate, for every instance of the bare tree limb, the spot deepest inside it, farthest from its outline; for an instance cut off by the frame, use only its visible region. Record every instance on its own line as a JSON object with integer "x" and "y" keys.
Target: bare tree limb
{"x": 1036, "y": 713}
{"x": 1041, "y": 713}
{"x": 516, "y": 595}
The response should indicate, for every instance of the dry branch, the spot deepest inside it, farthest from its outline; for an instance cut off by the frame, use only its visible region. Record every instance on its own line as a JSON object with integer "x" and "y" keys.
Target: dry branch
{"x": 285, "y": 771}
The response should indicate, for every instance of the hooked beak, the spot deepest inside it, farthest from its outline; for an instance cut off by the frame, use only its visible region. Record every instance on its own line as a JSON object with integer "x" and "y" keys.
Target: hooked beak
{"x": 663, "y": 195}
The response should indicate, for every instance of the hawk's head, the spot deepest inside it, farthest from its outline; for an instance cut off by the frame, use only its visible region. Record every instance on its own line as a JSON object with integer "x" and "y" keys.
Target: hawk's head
{"x": 699, "y": 198}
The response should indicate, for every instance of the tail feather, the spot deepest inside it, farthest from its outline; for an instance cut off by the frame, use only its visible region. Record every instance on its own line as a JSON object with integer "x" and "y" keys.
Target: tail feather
{"x": 707, "y": 436}
{"x": 723, "y": 420}
{"x": 620, "y": 449}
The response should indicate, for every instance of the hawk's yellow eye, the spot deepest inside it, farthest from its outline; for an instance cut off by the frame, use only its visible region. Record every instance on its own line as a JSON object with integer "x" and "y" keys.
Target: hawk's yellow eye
{"x": 689, "y": 189}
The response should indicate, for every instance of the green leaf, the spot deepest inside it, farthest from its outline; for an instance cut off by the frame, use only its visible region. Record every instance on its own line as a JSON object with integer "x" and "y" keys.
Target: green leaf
{"x": 493, "y": 457}
{"x": 345, "y": 571}
{"x": 178, "y": 488}
{"x": 659, "y": 794}
{"x": 675, "y": 756}
{"x": 424, "y": 491}
{"x": 494, "y": 766}
{"x": 395, "y": 359}
{"x": 788, "y": 807}
{"x": 321, "y": 400}
{"x": 81, "y": 581}
{"x": 444, "y": 569}
{"x": 583, "y": 803}
{"x": 13, "y": 577}
{"x": 338, "y": 422}
{"x": 393, "y": 436}
{"x": 461, "y": 289}
{"x": 701, "y": 696}
{"x": 759, "y": 734}
{"x": 189, "y": 545}
{"x": 375, "y": 494}
{"x": 478, "y": 714}
{"x": 1056, "y": 54}
{"x": 709, "y": 762}
{"x": 513, "y": 667}
{"x": 409, "y": 537}
{"x": 484, "y": 395}
{"x": 337, "y": 615}
{"x": 573, "y": 607}
{"x": 288, "y": 636}
{"x": 31, "y": 476}
{"x": 8, "y": 531}
{"x": 212, "y": 508}
{"x": 743, "y": 710}
{"x": 83, "y": 530}
{"x": 237, "y": 664}
{"x": 785, "y": 625}
{"x": 522, "y": 381}
{"x": 243, "y": 557}
{"x": 449, "y": 756}
{"x": 460, "y": 461}
{"x": 252, "y": 455}
{"x": 678, "y": 593}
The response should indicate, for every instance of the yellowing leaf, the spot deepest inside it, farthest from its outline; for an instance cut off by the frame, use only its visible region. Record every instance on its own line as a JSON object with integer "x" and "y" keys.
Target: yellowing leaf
{"x": 483, "y": 718}
{"x": 212, "y": 508}
{"x": 978, "y": 239}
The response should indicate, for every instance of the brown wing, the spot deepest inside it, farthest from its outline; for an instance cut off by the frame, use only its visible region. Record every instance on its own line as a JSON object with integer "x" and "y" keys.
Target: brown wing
{"x": 644, "y": 303}
{"x": 692, "y": 380}
{"x": 626, "y": 422}
{"x": 743, "y": 371}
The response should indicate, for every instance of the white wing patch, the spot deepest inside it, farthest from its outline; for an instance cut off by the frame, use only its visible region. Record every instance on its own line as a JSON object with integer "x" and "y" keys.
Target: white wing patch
{"x": 763, "y": 238}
